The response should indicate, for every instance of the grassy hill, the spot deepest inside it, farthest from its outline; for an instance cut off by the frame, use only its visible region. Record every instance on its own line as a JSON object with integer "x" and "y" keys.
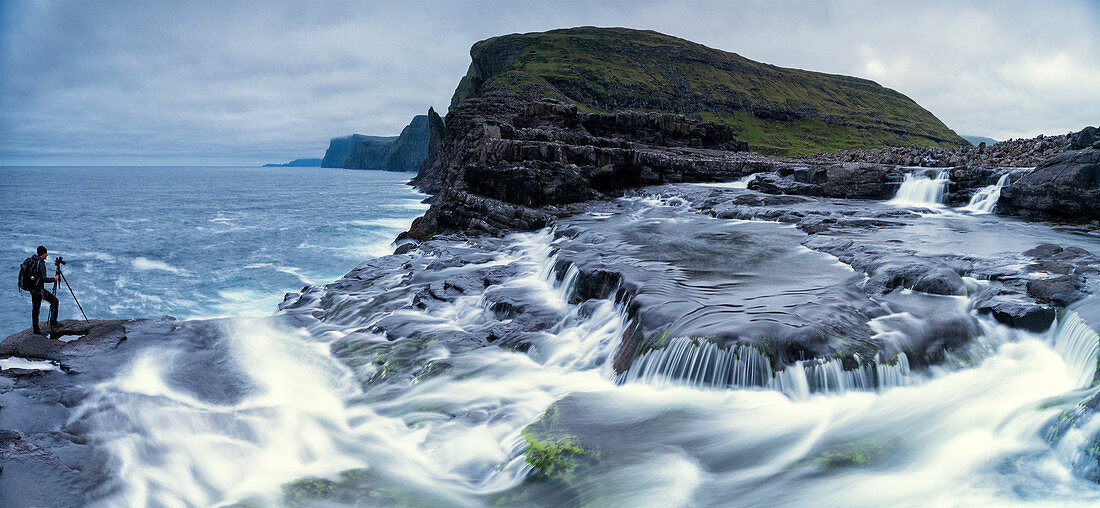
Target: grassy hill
{"x": 777, "y": 110}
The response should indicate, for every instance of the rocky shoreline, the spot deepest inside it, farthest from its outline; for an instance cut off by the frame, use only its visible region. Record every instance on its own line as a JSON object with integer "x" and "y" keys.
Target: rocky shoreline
{"x": 548, "y": 220}
{"x": 506, "y": 164}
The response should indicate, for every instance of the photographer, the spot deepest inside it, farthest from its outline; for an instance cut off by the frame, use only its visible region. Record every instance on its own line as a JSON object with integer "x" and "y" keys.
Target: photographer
{"x": 37, "y": 289}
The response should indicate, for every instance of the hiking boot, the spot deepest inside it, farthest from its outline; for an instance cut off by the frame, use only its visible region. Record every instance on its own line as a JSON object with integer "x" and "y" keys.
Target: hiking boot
{"x": 37, "y": 332}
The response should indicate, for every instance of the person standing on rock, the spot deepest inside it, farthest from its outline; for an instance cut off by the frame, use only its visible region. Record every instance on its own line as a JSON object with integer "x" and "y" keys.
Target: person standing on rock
{"x": 37, "y": 289}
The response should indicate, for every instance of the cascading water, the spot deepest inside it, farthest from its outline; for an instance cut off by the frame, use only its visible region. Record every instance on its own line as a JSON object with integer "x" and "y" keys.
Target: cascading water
{"x": 919, "y": 190}
{"x": 1075, "y": 434}
{"x": 1079, "y": 344}
{"x": 702, "y": 364}
{"x": 332, "y": 397}
{"x": 985, "y": 200}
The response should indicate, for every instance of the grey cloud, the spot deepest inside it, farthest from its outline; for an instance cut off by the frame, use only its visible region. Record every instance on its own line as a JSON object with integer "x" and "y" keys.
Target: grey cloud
{"x": 246, "y": 83}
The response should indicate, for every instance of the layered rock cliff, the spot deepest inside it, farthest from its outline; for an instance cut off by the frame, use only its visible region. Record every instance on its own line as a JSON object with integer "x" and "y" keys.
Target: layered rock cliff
{"x": 506, "y": 163}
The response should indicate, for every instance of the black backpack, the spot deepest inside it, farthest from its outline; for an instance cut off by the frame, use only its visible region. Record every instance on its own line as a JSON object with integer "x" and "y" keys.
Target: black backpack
{"x": 28, "y": 274}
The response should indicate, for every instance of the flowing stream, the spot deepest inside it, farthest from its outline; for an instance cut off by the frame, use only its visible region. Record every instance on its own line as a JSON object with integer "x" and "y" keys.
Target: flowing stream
{"x": 360, "y": 386}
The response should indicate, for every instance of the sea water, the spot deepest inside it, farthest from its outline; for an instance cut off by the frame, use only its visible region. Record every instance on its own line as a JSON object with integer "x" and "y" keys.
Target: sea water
{"x": 193, "y": 241}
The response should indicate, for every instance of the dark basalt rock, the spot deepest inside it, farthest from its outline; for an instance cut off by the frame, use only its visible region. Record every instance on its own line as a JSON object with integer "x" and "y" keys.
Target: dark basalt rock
{"x": 849, "y": 180}
{"x": 429, "y": 177}
{"x": 915, "y": 274}
{"x": 1066, "y": 185}
{"x": 1013, "y": 153}
{"x": 28, "y": 345}
{"x": 1010, "y": 310}
{"x": 1060, "y": 291}
{"x": 502, "y": 156}
{"x": 772, "y": 183}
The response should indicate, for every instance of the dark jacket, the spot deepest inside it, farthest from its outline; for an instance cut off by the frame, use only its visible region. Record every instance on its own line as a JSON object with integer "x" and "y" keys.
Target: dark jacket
{"x": 40, "y": 269}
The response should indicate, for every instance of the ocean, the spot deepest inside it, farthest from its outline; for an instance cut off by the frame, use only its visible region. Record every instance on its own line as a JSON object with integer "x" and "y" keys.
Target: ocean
{"x": 193, "y": 242}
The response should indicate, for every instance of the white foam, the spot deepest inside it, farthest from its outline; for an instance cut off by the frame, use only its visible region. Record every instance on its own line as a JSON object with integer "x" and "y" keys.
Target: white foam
{"x": 146, "y": 264}
{"x": 742, "y": 183}
{"x": 985, "y": 200}
{"x": 16, "y": 362}
{"x": 918, "y": 190}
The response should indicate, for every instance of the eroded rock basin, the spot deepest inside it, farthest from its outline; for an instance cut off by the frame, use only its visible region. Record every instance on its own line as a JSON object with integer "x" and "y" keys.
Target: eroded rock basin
{"x": 689, "y": 345}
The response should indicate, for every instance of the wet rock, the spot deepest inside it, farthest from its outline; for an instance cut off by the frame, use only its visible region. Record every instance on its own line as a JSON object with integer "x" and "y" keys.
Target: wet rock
{"x": 917, "y": 275}
{"x": 596, "y": 284}
{"x": 1051, "y": 267}
{"x": 1043, "y": 251}
{"x": 502, "y": 156}
{"x": 1060, "y": 291}
{"x": 28, "y": 345}
{"x": 1066, "y": 185}
{"x": 1010, "y": 310}
{"x": 772, "y": 183}
{"x": 861, "y": 181}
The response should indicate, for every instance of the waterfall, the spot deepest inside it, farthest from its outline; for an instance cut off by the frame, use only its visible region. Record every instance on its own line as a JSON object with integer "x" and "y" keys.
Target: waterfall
{"x": 1075, "y": 434}
{"x": 985, "y": 200}
{"x": 1079, "y": 345}
{"x": 740, "y": 183}
{"x": 919, "y": 190}
{"x": 703, "y": 364}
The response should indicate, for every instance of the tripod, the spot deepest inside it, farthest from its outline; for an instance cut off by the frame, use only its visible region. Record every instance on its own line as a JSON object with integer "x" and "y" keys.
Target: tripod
{"x": 58, "y": 267}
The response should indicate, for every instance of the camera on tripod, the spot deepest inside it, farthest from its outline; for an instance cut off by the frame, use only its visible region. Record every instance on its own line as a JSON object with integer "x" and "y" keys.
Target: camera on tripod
{"x": 58, "y": 261}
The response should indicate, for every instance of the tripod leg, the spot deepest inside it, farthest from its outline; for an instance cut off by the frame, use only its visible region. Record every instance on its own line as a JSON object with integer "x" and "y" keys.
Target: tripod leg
{"x": 74, "y": 295}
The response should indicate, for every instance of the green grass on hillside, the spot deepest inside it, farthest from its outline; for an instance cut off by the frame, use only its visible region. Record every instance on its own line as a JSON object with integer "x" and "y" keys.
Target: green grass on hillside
{"x": 784, "y": 111}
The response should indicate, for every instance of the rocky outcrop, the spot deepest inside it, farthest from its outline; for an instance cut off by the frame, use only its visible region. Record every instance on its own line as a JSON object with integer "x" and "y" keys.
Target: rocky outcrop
{"x": 1012, "y": 153}
{"x": 429, "y": 176}
{"x": 1066, "y": 185}
{"x": 787, "y": 110}
{"x": 49, "y": 347}
{"x": 848, "y": 180}
{"x": 504, "y": 160}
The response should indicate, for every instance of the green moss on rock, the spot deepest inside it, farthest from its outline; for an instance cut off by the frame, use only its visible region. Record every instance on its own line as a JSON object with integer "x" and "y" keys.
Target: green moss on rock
{"x": 552, "y": 451}
{"x": 857, "y": 453}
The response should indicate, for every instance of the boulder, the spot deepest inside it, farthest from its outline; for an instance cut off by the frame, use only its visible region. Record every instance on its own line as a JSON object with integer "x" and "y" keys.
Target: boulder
{"x": 1066, "y": 185}
{"x": 1013, "y": 311}
{"x": 1060, "y": 291}
{"x": 1084, "y": 139}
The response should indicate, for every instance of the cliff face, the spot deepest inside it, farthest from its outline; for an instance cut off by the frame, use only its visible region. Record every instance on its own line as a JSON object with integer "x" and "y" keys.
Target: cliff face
{"x": 505, "y": 162}
{"x": 409, "y": 149}
{"x": 402, "y": 153}
{"x": 339, "y": 149}
{"x": 778, "y": 111}
{"x": 368, "y": 154}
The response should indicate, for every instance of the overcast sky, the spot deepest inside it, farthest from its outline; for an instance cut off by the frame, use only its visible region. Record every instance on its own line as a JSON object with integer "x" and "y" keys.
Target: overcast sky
{"x": 247, "y": 83}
